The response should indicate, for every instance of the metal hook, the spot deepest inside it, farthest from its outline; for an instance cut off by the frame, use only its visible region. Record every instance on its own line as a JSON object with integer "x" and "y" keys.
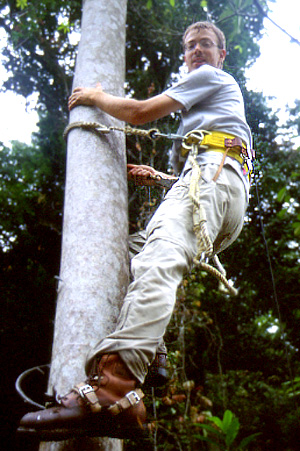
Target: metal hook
{"x": 191, "y": 138}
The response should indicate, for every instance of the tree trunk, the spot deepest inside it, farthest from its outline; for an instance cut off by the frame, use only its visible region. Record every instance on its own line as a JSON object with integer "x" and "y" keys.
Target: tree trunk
{"x": 94, "y": 266}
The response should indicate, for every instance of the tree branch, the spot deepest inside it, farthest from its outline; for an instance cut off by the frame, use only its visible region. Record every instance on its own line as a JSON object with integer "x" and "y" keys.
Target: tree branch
{"x": 260, "y": 9}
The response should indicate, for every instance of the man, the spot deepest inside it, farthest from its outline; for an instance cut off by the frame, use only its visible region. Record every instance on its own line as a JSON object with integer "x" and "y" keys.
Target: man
{"x": 210, "y": 100}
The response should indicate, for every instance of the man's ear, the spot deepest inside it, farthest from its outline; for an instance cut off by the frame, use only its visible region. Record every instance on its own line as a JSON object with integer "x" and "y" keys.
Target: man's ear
{"x": 222, "y": 58}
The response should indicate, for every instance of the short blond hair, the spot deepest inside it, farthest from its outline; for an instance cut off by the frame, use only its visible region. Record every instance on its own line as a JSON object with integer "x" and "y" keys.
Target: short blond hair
{"x": 209, "y": 26}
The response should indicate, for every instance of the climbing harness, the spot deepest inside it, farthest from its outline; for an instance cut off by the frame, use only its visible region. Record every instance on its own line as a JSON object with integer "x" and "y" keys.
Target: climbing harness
{"x": 191, "y": 143}
{"x": 227, "y": 144}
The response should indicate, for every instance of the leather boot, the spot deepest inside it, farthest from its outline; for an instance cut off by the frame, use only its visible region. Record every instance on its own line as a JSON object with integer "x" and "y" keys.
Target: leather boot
{"x": 158, "y": 376}
{"x": 107, "y": 404}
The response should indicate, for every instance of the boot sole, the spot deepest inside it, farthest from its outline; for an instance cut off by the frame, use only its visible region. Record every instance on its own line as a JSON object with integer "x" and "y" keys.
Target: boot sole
{"x": 53, "y": 435}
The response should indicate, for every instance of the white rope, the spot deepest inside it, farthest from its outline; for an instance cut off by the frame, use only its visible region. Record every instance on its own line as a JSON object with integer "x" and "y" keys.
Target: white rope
{"x": 204, "y": 244}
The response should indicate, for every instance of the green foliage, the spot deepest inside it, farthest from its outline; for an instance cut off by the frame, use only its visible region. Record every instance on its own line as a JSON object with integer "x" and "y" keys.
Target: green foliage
{"x": 229, "y": 425}
{"x": 149, "y": 4}
{"x": 39, "y": 47}
{"x": 292, "y": 388}
{"x": 21, "y": 4}
{"x": 225, "y": 434}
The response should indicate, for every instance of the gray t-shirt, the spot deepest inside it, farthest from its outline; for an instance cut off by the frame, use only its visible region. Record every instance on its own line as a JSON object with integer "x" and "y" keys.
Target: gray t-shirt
{"x": 212, "y": 101}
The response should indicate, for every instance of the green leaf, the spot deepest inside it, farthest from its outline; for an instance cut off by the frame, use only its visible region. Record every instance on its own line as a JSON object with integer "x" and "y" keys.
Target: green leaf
{"x": 239, "y": 48}
{"x": 218, "y": 422}
{"x": 227, "y": 420}
{"x": 172, "y": 3}
{"x": 211, "y": 429}
{"x": 282, "y": 213}
{"x": 149, "y": 4}
{"x": 203, "y": 4}
{"x": 64, "y": 27}
{"x": 281, "y": 194}
{"x": 294, "y": 175}
{"x": 296, "y": 227}
{"x": 21, "y": 4}
{"x": 245, "y": 442}
{"x": 229, "y": 426}
{"x": 247, "y": 3}
{"x": 232, "y": 431}
{"x": 227, "y": 12}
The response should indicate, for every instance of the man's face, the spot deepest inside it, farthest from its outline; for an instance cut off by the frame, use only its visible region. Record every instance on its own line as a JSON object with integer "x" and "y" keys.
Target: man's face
{"x": 201, "y": 48}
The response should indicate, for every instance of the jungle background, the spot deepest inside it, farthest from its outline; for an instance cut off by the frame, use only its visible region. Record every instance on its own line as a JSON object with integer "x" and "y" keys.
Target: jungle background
{"x": 236, "y": 355}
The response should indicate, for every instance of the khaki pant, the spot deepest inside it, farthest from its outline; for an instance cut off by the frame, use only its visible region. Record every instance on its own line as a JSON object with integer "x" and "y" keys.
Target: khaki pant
{"x": 168, "y": 252}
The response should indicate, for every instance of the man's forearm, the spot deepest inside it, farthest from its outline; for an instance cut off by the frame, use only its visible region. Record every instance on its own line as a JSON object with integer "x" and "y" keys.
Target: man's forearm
{"x": 121, "y": 108}
{"x": 135, "y": 112}
{"x": 127, "y": 110}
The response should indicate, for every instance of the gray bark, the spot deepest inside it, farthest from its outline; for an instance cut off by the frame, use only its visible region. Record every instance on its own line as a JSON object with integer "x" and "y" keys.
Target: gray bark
{"x": 94, "y": 262}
